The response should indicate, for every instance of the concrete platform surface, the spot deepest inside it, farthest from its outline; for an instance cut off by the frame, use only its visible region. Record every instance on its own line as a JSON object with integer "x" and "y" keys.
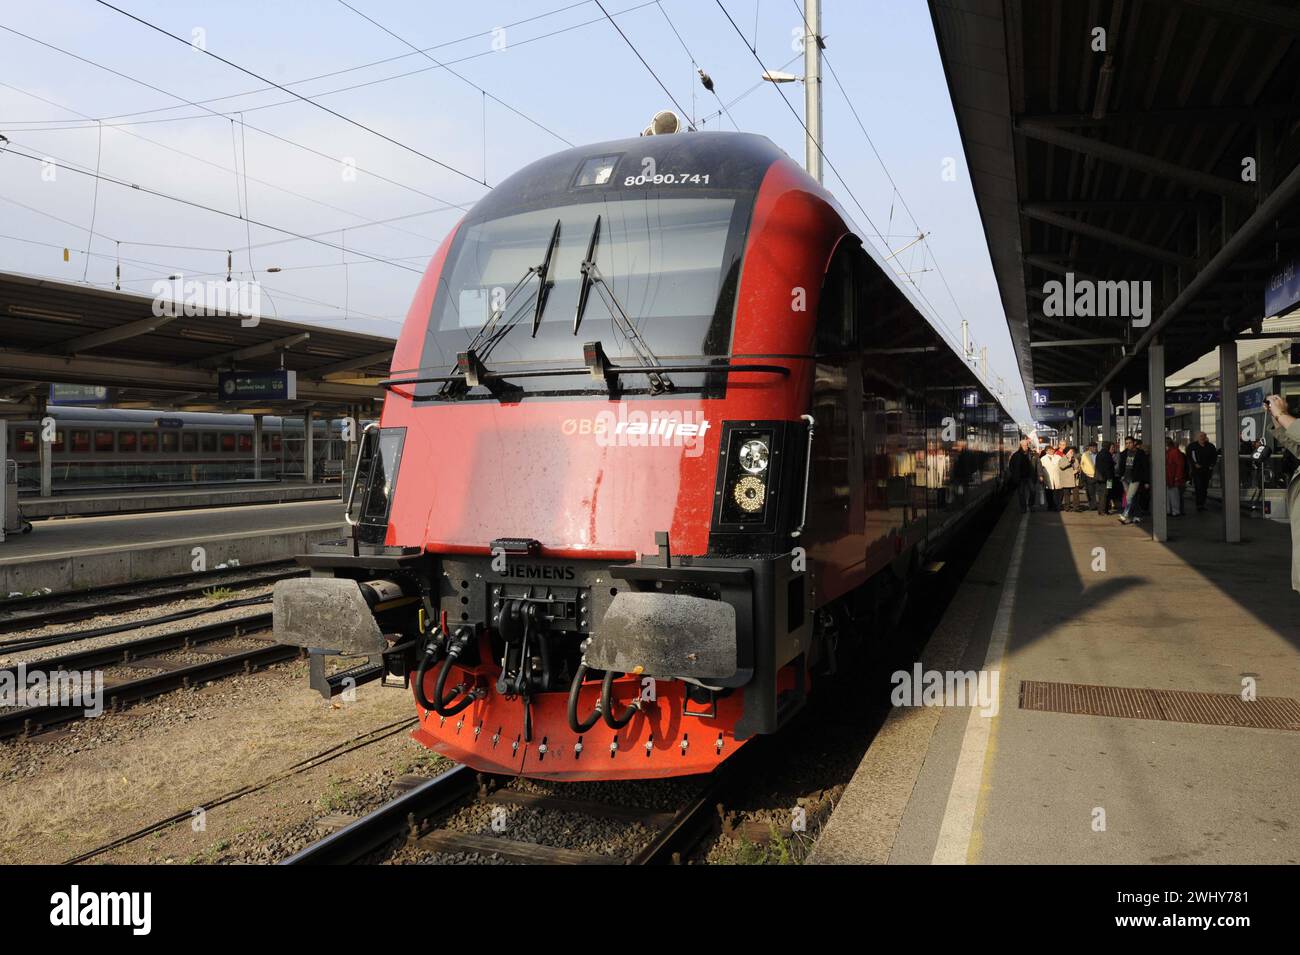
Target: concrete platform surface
{"x": 136, "y": 500}
{"x": 77, "y": 553}
{"x": 1075, "y": 598}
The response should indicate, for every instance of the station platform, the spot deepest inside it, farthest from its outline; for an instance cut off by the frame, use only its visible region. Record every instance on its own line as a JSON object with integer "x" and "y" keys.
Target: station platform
{"x": 139, "y": 500}
{"x": 83, "y": 552}
{"x": 1078, "y": 615}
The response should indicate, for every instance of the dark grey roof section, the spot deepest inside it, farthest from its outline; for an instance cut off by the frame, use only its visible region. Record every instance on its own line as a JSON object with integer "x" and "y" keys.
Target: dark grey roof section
{"x": 1126, "y": 164}
{"x": 65, "y": 332}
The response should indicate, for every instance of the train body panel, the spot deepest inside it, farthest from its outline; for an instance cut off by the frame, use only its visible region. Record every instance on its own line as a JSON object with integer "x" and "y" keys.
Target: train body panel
{"x": 658, "y": 428}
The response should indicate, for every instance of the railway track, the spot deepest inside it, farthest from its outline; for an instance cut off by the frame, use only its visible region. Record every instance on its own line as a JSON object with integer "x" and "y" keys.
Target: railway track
{"x": 145, "y": 652}
{"x": 24, "y": 613}
{"x": 410, "y": 815}
{"x": 357, "y": 742}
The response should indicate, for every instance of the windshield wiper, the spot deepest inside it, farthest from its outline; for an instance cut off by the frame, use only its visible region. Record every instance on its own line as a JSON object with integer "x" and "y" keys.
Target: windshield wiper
{"x": 489, "y": 336}
{"x": 591, "y": 275}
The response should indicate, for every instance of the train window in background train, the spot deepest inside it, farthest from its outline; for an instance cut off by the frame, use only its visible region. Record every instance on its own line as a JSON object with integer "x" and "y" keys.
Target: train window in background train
{"x": 58, "y": 440}
{"x": 208, "y": 442}
{"x": 127, "y": 440}
{"x": 24, "y": 439}
{"x": 103, "y": 441}
{"x": 171, "y": 441}
{"x": 275, "y": 442}
{"x": 80, "y": 442}
{"x": 189, "y": 442}
{"x": 227, "y": 442}
{"x": 266, "y": 442}
{"x": 245, "y": 442}
{"x": 148, "y": 441}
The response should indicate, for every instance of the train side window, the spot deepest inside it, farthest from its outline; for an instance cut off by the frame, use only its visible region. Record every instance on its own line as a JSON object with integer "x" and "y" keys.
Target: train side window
{"x": 170, "y": 441}
{"x": 189, "y": 442}
{"x": 275, "y": 442}
{"x": 245, "y": 442}
{"x": 208, "y": 442}
{"x": 80, "y": 442}
{"x": 227, "y": 442}
{"x": 24, "y": 439}
{"x": 58, "y": 440}
{"x": 127, "y": 440}
{"x": 103, "y": 441}
{"x": 148, "y": 441}
{"x": 837, "y": 315}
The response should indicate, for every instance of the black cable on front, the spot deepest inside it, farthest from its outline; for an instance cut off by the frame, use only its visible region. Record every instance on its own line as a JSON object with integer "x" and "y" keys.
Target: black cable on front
{"x": 575, "y": 690}
{"x": 606, "y": 704}
{"x": 441, "y": 704}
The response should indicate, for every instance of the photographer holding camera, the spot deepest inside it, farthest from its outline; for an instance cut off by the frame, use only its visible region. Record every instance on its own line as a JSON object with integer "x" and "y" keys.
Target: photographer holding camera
{"x": 1286, "y": 431}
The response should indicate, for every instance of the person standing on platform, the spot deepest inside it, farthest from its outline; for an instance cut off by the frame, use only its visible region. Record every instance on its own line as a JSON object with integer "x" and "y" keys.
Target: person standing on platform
{"x": 1136, "y": 472}
{"x": 1087, "y": 475}
{"x": 1048, "y": 476}
{"x": 1175, "y": 478}
{"x": 1104, "y": 473}
{"x": 1023, "y": 471}
{"x": 1286, "y": 431}
{"x": 1202, "y": 455}
{"x": 1065, "y": 482}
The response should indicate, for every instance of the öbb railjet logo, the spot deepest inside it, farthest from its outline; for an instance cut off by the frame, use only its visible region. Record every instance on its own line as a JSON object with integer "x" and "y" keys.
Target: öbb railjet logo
{"x": 77, "y": 908}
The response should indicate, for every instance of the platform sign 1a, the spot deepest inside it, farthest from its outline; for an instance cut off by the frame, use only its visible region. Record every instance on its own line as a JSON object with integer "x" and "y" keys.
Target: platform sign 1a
{"x": 1041, "y": 397}
{"x": 276, "y": 385}
{"x": 1282, "y": 290}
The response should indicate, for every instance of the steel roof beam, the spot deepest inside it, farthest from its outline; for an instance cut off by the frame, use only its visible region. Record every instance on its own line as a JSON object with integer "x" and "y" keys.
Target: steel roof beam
{"x": 1262, "y": 218}
{"x": 1250, "y": 12}
{"x": 1073, "y": 342}
{"x": 351, "y": 364}
{"x": 1033, "y": 211}
{"x": 109, "y": 336}
{"x": 253, "y": 351}
{"x": 1142, "y": 162}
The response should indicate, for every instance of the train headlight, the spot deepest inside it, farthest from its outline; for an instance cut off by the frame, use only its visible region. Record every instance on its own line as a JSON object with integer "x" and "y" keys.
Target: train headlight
{"x": 750, "y": 494}
{"x": 753, "y": 456}
{"x": 749, "y": 474}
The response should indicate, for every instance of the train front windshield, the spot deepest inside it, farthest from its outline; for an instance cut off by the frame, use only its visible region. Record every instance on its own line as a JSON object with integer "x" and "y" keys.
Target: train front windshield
{"x": 670, "y": 262}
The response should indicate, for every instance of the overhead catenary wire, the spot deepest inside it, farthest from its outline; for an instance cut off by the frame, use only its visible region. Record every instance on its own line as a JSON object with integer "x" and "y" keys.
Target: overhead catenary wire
{"x": 941, "y": 325}
{"x": 695, "y": 64}
{"x": 391, "y": 59}
{"x": 462, "y": 78}
{"x": 293, "y": 236}
{"x": 247, "y": 178}
{"x": 306, "y": 99}
{"x": 157, "y": 89}
{"x": 207, "y": 208}
{"x": 632, "y": 47}
{"x": 922, "y": 235}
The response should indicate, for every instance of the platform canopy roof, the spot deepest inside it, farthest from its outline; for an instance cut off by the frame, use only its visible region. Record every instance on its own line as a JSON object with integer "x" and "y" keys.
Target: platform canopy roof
{"x": 1167, "y": 156}
{"x": 61, "y": 332}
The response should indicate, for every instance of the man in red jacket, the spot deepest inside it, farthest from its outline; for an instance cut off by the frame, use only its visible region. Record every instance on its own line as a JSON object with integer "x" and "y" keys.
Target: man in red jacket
{"x": 1175, "y": 476}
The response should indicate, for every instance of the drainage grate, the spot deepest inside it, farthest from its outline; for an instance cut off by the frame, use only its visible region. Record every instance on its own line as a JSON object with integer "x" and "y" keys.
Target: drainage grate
{"x": 1178, "y": 706}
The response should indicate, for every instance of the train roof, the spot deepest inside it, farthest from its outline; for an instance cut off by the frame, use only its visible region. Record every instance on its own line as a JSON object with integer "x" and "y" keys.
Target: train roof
{"x": 733, "y": 161}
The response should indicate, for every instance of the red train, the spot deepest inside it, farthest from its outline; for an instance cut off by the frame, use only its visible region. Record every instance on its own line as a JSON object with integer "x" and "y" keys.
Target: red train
{"x": 659, "y": 431}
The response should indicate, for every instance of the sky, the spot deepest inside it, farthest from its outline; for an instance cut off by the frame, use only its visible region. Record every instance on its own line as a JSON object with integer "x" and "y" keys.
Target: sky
{"x": 257, "y": 166}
